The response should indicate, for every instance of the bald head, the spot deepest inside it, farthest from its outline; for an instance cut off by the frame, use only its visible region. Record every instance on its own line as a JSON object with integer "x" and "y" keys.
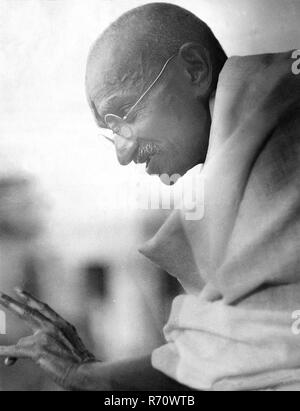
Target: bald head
{"x": 139, "y": 42}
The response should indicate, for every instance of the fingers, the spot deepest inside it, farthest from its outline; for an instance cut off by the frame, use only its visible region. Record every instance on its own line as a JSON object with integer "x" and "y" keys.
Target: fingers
{"x": 7, "y": 351}
{"x": 73, "y": 341}
{"x": 37, "y": 305}
{"x": 32, "y": 317}
{"x": 24, "y": 349}
{"x": 42, "y": 318}
{"x": 13, "y": 351}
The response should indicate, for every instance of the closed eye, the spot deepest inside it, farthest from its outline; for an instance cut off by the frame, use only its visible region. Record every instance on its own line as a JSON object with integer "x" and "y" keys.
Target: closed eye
{"x": 124, "y": 110}
{"x": 134, "y": 114}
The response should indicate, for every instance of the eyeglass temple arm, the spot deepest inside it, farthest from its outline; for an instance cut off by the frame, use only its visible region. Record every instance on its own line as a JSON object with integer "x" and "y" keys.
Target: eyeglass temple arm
{"x": 150, "y": 87}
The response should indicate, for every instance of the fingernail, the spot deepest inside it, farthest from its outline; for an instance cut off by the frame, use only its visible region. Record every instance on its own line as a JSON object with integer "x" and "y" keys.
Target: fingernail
{"x": 19, "y": 290}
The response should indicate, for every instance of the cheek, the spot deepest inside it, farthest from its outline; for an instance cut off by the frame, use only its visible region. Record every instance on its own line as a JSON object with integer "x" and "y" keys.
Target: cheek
{"x": 169, "y": 124}
{"x": 180, "y": 113}
{"x": 173, "y": 124}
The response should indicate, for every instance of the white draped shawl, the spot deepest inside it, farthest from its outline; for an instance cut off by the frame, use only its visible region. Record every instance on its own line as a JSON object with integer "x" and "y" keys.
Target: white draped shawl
{"x": 239, "y": 264}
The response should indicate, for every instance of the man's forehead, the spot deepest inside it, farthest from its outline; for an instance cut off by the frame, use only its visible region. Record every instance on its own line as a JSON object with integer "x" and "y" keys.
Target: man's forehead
{"x": 111, "y": 65}
{"x": 101, "y": 75}
{"x": 112, "y": 84}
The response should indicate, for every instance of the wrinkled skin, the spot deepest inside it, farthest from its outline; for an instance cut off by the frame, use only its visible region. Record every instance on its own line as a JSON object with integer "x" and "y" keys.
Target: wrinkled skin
{"x": 170, "y": 127}
{"x": 54, "y": 345}
{"x": 56, "y": 348}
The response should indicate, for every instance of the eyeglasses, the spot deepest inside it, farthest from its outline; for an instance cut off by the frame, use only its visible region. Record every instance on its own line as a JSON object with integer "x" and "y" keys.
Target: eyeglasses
{"x": 118, "y": 125}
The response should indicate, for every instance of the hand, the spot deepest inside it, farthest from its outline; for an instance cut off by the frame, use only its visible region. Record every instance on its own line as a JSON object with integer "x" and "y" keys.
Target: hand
{"x": 55, "y": 345}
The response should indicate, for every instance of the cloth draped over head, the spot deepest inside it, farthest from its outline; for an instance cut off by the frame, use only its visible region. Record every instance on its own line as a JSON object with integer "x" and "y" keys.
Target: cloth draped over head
{"x": 239, "y": 264}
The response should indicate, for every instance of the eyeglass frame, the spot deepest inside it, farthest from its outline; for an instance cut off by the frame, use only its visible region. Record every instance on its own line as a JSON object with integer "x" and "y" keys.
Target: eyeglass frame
{"x": 125, "y": 118}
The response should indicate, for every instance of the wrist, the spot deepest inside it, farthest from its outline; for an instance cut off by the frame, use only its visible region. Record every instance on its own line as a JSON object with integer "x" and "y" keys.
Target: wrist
{"x": 89, "y": 376}
{"x": 71, "y": 379}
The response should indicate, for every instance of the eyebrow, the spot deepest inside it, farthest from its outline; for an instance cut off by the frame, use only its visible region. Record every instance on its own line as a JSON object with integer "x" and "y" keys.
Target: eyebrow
{"x": 99, "y": 120}
{"x": 110, "y": 106}
{"x": 107, "y": 106}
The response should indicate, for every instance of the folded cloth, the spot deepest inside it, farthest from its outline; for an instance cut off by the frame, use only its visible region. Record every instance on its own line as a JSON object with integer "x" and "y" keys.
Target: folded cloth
{"x": 240, "y": 262}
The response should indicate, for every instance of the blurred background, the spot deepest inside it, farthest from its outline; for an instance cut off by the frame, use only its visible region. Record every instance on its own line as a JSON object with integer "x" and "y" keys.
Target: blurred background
{"x": 60, "y": 235}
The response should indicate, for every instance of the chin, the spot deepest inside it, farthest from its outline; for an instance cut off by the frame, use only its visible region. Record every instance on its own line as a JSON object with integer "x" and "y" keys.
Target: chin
{"x": 154, "y": 167}
{"x": 169, "y": 173}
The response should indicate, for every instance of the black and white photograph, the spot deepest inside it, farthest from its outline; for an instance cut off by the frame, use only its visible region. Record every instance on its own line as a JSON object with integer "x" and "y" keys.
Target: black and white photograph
{"x": 150, "y": 198}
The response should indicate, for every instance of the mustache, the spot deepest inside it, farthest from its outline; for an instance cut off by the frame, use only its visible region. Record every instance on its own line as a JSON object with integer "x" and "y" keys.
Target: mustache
{"x": 145, "y": 152}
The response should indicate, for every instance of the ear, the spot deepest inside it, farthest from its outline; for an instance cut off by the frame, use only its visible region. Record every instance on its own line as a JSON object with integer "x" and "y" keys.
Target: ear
{"x": 197, "y": 64}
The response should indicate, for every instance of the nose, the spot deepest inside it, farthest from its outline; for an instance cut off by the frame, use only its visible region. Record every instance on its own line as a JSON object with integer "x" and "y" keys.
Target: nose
{"x": 125, "y": 149}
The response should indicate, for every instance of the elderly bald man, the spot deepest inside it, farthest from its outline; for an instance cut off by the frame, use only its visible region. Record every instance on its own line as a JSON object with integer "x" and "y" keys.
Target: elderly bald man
{"x": 160, "y": 82}
{"x": 150, "y": 78}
